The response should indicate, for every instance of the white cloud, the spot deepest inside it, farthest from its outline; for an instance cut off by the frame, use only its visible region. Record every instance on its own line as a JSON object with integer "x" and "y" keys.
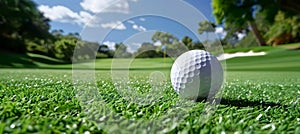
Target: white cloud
{"x": 142, "y": 19}
{"x": 158, "y": 43}
{"x": 97, "y": 6}
{"x": 65, "y": 15}
{"x": 118, "y": 25}
{"x": 131, "y": 22}
{"x": 111, "y": 45}
{"x": 89, "y": 20}
{"x": 59, "y": 13}
{"x": 221, "y": 32}
{"x": 241, "y": 35}
{"x": 139, "y": 28}
{"x": 219, "y": 29}
{"x": 133, "y": 47}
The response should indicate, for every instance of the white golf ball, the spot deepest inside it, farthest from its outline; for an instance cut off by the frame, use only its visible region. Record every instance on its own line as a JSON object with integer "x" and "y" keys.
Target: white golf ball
{"x": 196, "y": 74}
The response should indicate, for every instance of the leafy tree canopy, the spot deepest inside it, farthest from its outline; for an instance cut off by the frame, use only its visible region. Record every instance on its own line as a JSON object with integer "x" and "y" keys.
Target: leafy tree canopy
{"x": 164, "y": 38}
{"x": 20, "y": 20}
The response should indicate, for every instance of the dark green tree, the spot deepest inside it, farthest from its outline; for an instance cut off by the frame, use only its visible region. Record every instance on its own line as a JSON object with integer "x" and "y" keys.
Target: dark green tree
{"x": 241, "y": 14}
{"x": 207, "y": 27}
{"x": 164, "y": 37}
{"x": 105, "y": 52}
{"x": 85, "y": 50}
{"x": 71, "y": 48}
{"x": 20, "y": 20}
{"x": 198, "y": 45}
{"x": 289, "y": 5}
{"x": 148, "y": 50}
{"x": 237, "y": 15}
{"x": 286, "y": 29}
{"x": 187, "y": 41}
{"x": 121, "y": 51}
{"x": 64, "y": 49}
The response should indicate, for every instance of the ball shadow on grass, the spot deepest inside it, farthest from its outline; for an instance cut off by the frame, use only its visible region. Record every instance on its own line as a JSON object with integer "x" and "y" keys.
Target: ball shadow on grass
{"x": 241, "y": 103}
{"x": 249, "y": 103}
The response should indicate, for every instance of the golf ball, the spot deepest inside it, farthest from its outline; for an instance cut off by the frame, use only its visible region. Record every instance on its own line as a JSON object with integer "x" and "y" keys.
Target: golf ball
{"x": 196, "y": 74}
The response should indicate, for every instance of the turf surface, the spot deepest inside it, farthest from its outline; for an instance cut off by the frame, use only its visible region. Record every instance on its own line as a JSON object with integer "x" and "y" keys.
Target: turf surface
{"x": 44, "y": 101}
{"x": 261, "y": 95}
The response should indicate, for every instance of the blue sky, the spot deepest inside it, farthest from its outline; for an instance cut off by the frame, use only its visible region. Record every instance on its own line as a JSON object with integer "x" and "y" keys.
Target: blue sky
{"x": 130, "y": 21}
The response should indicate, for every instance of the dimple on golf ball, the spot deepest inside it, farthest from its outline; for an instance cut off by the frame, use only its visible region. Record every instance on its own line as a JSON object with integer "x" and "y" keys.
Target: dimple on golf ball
{"x": 196, "y": 74}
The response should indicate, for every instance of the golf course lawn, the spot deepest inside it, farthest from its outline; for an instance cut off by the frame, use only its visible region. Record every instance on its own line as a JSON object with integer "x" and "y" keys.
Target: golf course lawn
{"x": 261, "y": 95}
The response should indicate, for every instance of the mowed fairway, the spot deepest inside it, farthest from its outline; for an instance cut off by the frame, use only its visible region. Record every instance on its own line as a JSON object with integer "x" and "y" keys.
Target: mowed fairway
{"x": 261, "y": 95}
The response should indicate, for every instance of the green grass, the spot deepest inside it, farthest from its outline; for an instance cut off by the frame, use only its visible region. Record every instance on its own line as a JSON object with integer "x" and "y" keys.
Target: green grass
{"x": 280, "y": 60}
{"x": 261, "y": 95}
{"x": 277, "y": 59}
{"x": 263, "y": 48}
{"x": 290, "y": 46}
{"x": 254, "y": 49}
{"x": 44, "y": 101}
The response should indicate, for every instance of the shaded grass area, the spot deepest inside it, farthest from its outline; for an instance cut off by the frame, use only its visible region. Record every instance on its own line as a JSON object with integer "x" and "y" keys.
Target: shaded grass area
{"x": 29, "y": 60}
{"x": 16, "y": 60}
{"x": 45, "y": 59}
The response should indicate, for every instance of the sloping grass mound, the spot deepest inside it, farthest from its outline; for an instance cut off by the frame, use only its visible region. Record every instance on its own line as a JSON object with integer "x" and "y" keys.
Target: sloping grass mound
{"x": 29, "y": 60}
{"x": 276, "y": 60}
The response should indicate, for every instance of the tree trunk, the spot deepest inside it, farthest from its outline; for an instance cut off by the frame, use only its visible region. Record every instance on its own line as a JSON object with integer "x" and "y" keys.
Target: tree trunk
{"x": 260, "y": 40}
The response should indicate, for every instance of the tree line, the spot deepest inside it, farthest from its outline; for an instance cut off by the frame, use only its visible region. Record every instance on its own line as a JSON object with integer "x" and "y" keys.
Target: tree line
{"x": 23, "y": 28}
{"x": 168, "y": 44}
{"x": 269, "y": 22}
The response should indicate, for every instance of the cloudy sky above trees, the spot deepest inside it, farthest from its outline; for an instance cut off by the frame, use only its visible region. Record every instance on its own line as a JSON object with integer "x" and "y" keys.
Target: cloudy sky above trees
{"x": 114, "y": 21}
